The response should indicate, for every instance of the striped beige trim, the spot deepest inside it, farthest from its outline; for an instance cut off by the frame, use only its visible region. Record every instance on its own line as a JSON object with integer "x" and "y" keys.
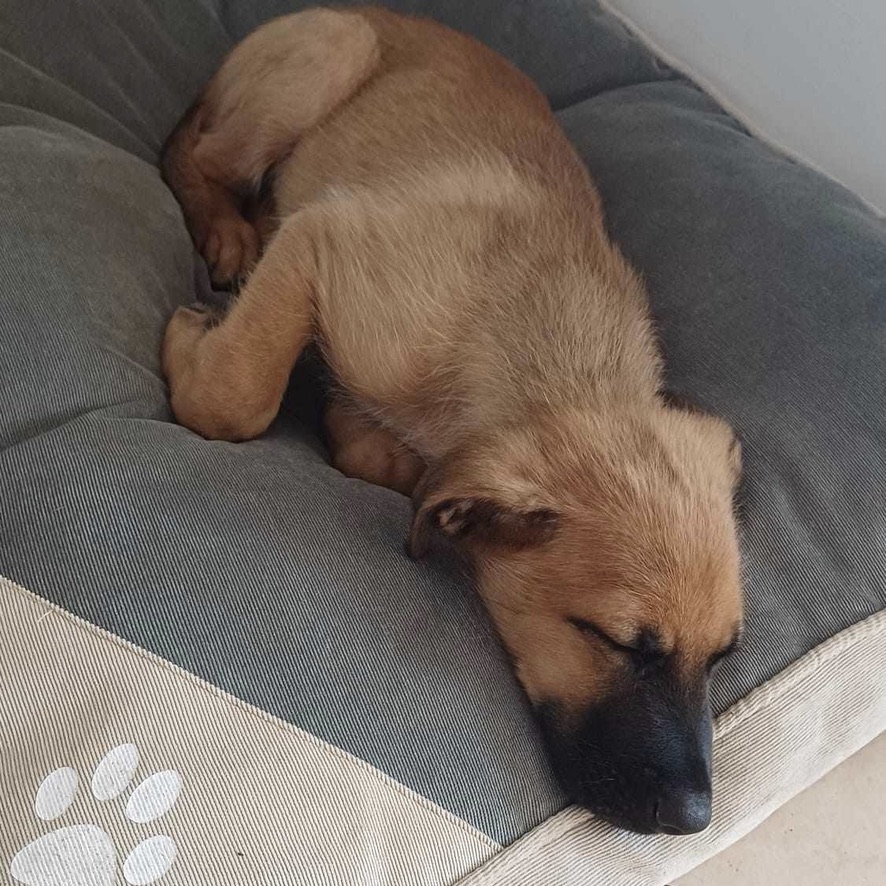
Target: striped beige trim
{"x": 770, "y": 746}
{"x": 244, "y": 798}
{"x": 157, "y": 776}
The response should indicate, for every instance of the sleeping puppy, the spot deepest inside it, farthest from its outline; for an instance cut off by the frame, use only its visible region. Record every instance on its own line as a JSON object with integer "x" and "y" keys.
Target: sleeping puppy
{"x": 427, "y": 225}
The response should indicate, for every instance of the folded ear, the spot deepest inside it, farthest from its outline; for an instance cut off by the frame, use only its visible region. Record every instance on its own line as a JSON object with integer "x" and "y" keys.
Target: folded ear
{"x": 481, "y": 520}
{"x": 482, "y": 517}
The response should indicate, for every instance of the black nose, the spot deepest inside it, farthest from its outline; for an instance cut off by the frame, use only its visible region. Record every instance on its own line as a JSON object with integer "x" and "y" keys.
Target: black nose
{"x": 683, "y": 811}
{"x": 641, "y": 761}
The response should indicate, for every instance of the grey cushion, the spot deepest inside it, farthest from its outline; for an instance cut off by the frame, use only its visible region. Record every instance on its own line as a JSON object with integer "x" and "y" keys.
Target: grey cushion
{"x": 257, "y": 566}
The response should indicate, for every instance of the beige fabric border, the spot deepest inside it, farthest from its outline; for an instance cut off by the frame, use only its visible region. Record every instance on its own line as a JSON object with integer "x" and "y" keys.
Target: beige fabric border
{"x": 251, "y": 799}
{"x": 263, "y": 802}
{"x": 768, "y": 747}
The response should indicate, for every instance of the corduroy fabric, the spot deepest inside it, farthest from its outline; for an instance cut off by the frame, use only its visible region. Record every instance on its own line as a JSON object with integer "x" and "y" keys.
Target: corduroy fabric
{"x": 259, "y": 801}
{"x": 259, "y": 568}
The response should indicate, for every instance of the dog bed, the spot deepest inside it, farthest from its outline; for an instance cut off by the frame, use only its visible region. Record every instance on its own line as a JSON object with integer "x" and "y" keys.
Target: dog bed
{"x": 217, "y": 666}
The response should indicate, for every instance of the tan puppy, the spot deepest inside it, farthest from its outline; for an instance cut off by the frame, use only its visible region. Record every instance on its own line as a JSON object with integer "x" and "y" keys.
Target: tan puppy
{"x": 438, "y": 238}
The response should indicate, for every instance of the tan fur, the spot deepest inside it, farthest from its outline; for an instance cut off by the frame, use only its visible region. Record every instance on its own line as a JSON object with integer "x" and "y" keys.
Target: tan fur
{"x": 363, "y": 449}
{"x": 441, "y": 241}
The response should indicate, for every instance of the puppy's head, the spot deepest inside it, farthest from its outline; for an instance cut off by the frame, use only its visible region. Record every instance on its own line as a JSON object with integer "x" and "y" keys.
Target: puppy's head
{"x": 606, "y": 553}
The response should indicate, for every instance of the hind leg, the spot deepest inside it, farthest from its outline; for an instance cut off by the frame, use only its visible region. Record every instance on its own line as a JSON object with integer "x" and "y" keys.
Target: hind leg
{"x": 280, "y": 81}
{"x": 368, "y": 452}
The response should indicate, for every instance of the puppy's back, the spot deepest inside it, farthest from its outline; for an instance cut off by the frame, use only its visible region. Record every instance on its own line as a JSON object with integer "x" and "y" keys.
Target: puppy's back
{"x": 438, "y": 98}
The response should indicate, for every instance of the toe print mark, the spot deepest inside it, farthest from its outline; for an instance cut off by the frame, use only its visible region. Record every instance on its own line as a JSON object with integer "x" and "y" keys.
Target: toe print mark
{"x": 114, "y": 772}
{"x": 56, "y": 793}
{"x": 154, "y": 797}
{"x": 150, "y": 860}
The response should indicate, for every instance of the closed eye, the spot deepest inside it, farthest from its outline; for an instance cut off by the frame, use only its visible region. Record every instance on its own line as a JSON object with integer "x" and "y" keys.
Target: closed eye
{"x": 590, "y": 629}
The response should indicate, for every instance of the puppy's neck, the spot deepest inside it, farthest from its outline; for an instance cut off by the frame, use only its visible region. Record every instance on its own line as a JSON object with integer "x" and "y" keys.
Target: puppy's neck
{"x": 544, "y": 442}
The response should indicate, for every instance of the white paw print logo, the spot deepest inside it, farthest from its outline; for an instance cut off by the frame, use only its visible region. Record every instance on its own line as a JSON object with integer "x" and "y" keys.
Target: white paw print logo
{"x": 83, "y": 854}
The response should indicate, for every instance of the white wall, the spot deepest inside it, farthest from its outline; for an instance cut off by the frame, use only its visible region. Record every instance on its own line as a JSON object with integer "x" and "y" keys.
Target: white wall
{"x": 808, "y": 75}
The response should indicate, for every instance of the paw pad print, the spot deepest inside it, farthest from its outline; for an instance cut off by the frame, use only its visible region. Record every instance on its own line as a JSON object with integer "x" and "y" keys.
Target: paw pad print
{"x": 83, "y": 854}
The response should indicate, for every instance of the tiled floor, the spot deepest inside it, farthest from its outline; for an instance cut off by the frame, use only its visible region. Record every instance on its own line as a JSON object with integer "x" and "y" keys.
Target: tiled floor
{"x": 833, "y": 834}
